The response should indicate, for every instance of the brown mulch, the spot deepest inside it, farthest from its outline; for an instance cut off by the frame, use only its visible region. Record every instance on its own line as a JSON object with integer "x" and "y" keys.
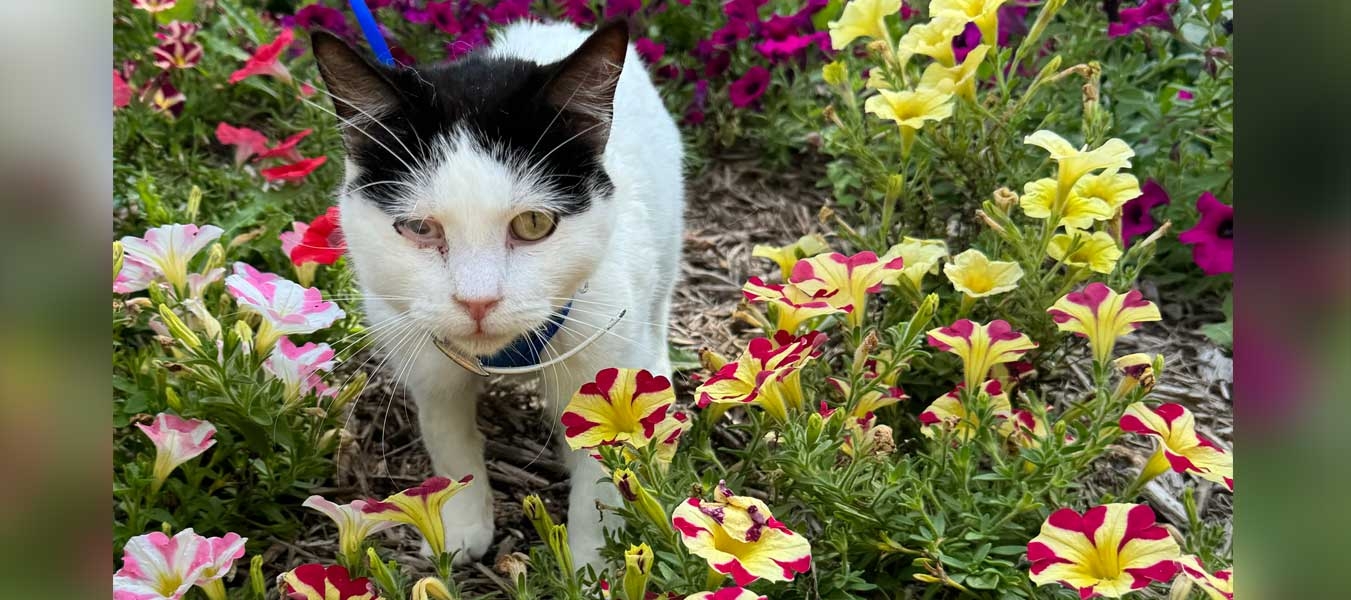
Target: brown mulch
{"x": 730, "y": 208}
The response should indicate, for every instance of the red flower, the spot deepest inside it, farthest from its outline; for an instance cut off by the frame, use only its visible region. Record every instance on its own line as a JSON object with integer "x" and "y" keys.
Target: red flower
{"x": 322, "y": 241}
{"x": 314, "y": 582}
{"x": 264, "y": 61}
{"x": 286, "y": 150}
{"x": 295, "y": 171}
{"x": 247, "y": 142}
{"x": 121, "y": 91}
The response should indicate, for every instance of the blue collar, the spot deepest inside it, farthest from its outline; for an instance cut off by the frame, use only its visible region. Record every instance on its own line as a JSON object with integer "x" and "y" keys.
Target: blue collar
{"x": 525, "y": 351}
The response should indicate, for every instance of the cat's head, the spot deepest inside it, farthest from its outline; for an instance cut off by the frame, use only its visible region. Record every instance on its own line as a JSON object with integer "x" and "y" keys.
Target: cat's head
{"x": 475, "y": 195}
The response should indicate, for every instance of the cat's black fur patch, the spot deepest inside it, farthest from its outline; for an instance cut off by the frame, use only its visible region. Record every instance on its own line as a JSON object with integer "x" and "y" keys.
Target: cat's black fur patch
{"x": 501, "y": 102}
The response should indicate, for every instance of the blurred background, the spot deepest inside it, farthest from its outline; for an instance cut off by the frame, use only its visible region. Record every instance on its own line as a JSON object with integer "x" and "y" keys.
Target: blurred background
{"x": 1293, "y": 332}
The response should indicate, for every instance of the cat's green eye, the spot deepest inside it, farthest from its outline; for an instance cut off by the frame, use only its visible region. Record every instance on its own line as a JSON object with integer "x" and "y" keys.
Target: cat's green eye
{"x": 532, "y": 226}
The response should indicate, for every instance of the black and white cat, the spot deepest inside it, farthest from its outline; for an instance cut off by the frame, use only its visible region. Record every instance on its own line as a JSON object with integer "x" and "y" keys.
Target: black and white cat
{"x": 484, "y": 197}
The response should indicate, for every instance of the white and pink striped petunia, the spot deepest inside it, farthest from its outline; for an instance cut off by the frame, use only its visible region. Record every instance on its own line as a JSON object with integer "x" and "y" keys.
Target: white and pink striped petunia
{"x": 158, "y": 567}
{"x": 739, "y": 537}
{"x": 134, "y": 276}
{"x": 354, "y": 526}
{"x": 619, "y": 406}
{"x": 1102, "y": 315}
{"x": 285, "y": 307}
{"x": 1186, "y": 450}
{"x": 845, "y": 281}
{"x": 168, "y": 249}
{"x": 1110, "y": 550}
{"x": 177, "y": 440}
{"x": 298, "y": 367}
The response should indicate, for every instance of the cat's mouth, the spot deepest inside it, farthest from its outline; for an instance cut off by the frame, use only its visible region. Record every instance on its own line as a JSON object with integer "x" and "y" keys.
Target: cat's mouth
{"x": 475, "y": 365}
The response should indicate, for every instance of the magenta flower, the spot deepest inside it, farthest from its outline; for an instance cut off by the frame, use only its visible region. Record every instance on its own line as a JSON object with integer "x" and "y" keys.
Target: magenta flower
{"x": 177, "y": 31}
{"x": 748, "y": 89}
{"x": 1212, "y": 239}
{"x": 578, "y": 11}
{"x": 265, "y": 60}
{"x": 744, "y": 11}
{"x": 177, "y": 440}
{"x": 1150, "y": 13}
{"x": 177, "y": 55}
{"x": 468, "y": 41}
{"x": 728, "y": 35}
{"x": 122, "y": 91}
{"x": 694, "y": 114}
{"x": 318, "y": 16}
{"x": 162, "y": 96}
{"x": 1185, "y": 96}
{"x": 298, "y": 367}
{"x": 247, "y": 142}
{"x": 652, "y": 52}
{"x": 508, "y": 11}
{"x": 1135, "y": 218}
{"x": 294, "y": 172}
{"x": 169, "y": 248}
{"x": 622, "y": 8}
{"x": 158, "y": 567}
{"x": 286, "y": 308}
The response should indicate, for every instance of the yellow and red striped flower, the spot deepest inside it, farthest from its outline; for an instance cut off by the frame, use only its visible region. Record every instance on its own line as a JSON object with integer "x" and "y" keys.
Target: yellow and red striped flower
{"x": 420, "y": 506}
{"x": 949, "y": 412}
{"x": 1179, "y": 443}
{"x": 876, "y": 398}
{"x": 790, "y": 305}
{"x": 1218, "y": 585}
{"x": 1102, "y": 315}
{"x": 317, "y": 582}
{"x": 980, "y": 346}
{"x": 1109, "y": 550}
{"x": 730, "y": 593}
{"x": 806, "y": 246}
{"x": 845, "y": 281}
{"x": 766, "y": 375}
{"x": 621, "y": 405}
{"x": 738, "y": 536}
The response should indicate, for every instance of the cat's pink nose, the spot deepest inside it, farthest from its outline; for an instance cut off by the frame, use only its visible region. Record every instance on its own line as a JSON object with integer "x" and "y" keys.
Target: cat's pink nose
{"x": 478, "y": 308}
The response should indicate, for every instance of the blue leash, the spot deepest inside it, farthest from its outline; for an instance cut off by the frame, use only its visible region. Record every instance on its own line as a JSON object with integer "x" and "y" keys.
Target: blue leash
{"x": 526, "y": 350}
{"x": 371, "y": 30}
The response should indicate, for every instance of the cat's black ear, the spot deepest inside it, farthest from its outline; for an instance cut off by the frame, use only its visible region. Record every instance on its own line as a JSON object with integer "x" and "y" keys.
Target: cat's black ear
{"x": 584, "y": 86}
{"x": 360, "y": 92}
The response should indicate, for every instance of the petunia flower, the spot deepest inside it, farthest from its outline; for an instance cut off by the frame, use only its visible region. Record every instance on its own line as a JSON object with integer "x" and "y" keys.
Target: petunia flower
{"x": 1150, "y": 13}
{"x": 845, "y": 281}
{"x": 177, "y": 440}
{"x": 285, "y": 307}
{"x": 728, "y": 593}
{"x": 122, "y": 91}
{"x": 247, "y": 142}
{"x": 291, "y": 239}
{"x": 218, "y": 556}
{"x": 766, "y": 374}
{"x": 1217, "y": 586}
{"x": 960, "y": 79}
{"x": 420, "y": 506}
{"x": 790, "y": 305}
{"x": 153, "y": 6}
{"x": 177, "y": 55}
{"x": 317, "y": 582}
{"x": 650, "y": 51}
{"x": 1109, "y": 550}
{"x": 294, "y": 172}
{"x": 747, "y": 89}
{"x": 738, "y": 536}
{"x": 980, "y": 346}
{"x": 163, "y": 97}
{"x": 976, "y": 276}
{"x": 1137, "y": 370}
{"x": 1180, "y": 445}
{"x": 1135, "y": 218}
{"x": 619, "y": 406}
{"x": 1029, "y": 429}
{"x": 578, "y": 11}
{"x": 984, "y": 13}
{"x": 298, "y": 367}
{"x": 948, "y": 412}
{"x": 286, "y": 149}
{"x": 910, "y": 109}
{"x": 318, "y": 16}
{"x": 1097, "y": 252}
{"x": 265, "y": 60}
{"x": 806, "y": 246}
{"x": 621, "y": 8}
{"x": 158, "y": 567}
{"x": 321, "y": 242}
{"x": 667, "y": 434}
{"x": 1074, "y": 163}
{"x": 169, "y": 249}
{"x": 1079, "y": 212}
{"x": 1212, "y": 239}
{"x": 1102, "y": 315}
{"x": 134, "y": 276}
{"x": 920, "y": 257}
{"x": 743, "y": 11}
{"x": 1109, "y": 187}
{"x": 354, "y": 525}
{"x": 932, "y": 39}
{"x": 876, "y": 398}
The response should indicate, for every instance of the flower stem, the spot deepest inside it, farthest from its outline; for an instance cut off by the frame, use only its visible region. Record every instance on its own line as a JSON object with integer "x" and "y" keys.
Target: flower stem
{"x": 1156, "y": 466}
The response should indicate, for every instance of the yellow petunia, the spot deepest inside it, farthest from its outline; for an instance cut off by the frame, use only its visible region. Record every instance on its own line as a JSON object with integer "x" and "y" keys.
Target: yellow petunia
{"x": 960, "y": 80}
{"x": 1074, "y": 163}
{"x": 984, "y": 13}
{"x": 975, "y": 275}
{"x": 933, "y": 39}
{"x": 1097, "y": 252}
{"x": 920, "y": 257}
{"x": 786, "y": 256}
{"x": 862, "y": 19}
{"x": 1110, "y": 187}
{"x": 910, "y": 110}
{"x": 1079, "y": 212}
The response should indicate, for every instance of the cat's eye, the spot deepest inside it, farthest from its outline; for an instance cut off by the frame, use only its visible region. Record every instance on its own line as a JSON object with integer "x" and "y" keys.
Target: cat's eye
{"x": 423, "y": 232}
{"x": 532, "y": 226}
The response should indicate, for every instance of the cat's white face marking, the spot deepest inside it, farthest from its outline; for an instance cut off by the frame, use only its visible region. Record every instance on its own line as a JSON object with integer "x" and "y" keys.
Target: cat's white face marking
{"x": 473, "y": 194}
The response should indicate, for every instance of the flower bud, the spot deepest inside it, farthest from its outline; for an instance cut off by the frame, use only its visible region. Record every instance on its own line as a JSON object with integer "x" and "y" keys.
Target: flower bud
{"x": 1158, "y": 233}
{"x": 514, "y": 567}
{"x": 172, "y": 399}
{"x": 431, "y": 588}
{"x": 246, "y": 237}
{"x": 835, "y": 73}
{"x": 824, "y": 215}
{"x": 1005, "y": 199}
{"x": 991, "y": 223}
{"x": 194, "y": 203}
{"x": 349, "y": 392}
{"x": 1182, "y": 588}
{"x": 178, "y": 329}
{"x": 637, "y": 570}
{"x": 710, "y": 360}
{"x": 864, "y": 349}
{"x": 534, "y": 510}
{"x": 1136, "y": 370}
{"x": 138, "y": 304}
{"x": 256, "y": 581}
{"x": 926, "y": 311}
{"x": 558, "y": 544}
{"x": 243, "y": 333}
{"x": 117, "y": 258}
{"x": 878, "y": 47}
{"x": 215, "y": 257}
{"x": 832, "y": 115}
{"x": 637, "y": 497}
{"x": 927, "y": 578}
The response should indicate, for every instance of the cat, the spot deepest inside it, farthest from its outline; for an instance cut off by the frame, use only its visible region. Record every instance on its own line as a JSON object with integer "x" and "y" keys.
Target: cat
{"x": 484, "y": 197}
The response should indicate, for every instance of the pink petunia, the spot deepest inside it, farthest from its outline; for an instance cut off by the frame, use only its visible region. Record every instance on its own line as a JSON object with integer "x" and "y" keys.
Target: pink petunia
{"x": 1150, "y": 13}
{"x": 122, "y": 91}
{"x": 294, "y": 172}
{"x": 247, "y": 142}
{"x": 746, "y": 90}
{"x": 265, "y": 60}
{"x": 177, "y": 440}
{"x": 298, "y": 367}
{"x": 322, "y": 241}
{"x": 578, "y": 11}
{"x": 652, "y": 52}
{"x": 153, "y": 6}
{"x": 158, "y": 567}
{"x": 286, "y": 150}
{"x": 1135, "y": 217}
{"x": 1212, "y": 239}
{"x": 285, "y": 307}
{"x": 622, "y": 8}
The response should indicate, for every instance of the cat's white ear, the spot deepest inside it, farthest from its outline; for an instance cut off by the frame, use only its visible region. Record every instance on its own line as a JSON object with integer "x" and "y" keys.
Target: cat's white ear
{"x": 360, "y": 92}
{"x": 584, "y": 86}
